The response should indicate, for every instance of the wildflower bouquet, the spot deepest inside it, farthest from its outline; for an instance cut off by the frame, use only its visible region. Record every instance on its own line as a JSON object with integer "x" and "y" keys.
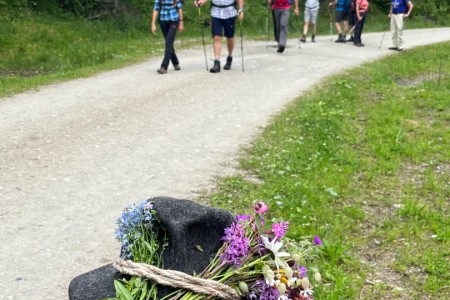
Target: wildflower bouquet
{"x": 140, "y": 235}
{"x": 256, "y": 259}
{"x": 260, "y": 262}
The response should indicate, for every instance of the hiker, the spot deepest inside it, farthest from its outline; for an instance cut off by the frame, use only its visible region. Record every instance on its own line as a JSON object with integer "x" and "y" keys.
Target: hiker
{"x": 310, "y": 16}
{"x": 281, "y": 10}
{"x": 170, "y": 19}
{"x": 223, "y": 19}
{"x": 361, "y": 9}
{"x": 352, "y": 18}
{"x": 342, "y": 8}
{"x": 399, "y": 10}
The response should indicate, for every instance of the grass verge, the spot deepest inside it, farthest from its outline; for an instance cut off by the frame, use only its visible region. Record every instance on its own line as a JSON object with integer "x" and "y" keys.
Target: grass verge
{"x": 363, "y": 162}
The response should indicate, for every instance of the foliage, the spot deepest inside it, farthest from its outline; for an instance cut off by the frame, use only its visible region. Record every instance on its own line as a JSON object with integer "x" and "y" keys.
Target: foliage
{"x": 362, "y": 159}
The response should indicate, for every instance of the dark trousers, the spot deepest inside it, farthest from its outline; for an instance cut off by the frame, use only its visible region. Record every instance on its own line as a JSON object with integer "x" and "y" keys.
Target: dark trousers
{"x": 352, "y": 18}
{"x": 359, "y": 28}
{"x": 169, "y": 30}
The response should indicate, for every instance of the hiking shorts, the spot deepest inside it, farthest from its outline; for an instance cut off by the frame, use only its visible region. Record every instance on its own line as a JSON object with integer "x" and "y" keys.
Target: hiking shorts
{"x": 226, "y": 24}
{"x": 341, "y": 16}
{"x": 311, "y": 15}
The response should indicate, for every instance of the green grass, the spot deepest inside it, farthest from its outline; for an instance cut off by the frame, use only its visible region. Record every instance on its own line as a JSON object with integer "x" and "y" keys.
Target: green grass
{"x": 364, "y": 163}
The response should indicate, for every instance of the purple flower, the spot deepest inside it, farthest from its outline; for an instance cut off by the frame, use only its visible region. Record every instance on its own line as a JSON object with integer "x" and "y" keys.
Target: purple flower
{"x": 238, "y": 245}
{"x": 243, "y": 218}
{"x": 317, "y": 241}
{"x": 279, "y": 229}
{"x": 303, "y": 270}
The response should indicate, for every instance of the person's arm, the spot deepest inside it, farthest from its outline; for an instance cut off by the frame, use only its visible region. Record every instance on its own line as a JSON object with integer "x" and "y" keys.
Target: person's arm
{"x": 410, "y": 8}
{"x": 296, "y": 11}
{"x": 358, "y": 16}
{"x": 241, "y": 9}
{"x": 154, "y": 18}
{"x": 333, "y": 3}
{"x": 390, "y": 11}
{"x": 181, "y": 21}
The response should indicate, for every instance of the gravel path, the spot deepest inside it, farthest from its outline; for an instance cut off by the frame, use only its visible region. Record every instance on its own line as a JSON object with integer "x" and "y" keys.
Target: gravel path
{"x": 74, "y": 154}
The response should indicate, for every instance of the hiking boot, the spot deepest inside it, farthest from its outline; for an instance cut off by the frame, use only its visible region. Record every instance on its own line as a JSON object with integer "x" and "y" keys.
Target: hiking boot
{"x": 280, "y": 49}
{"x": 340, "y": 38}
{"x": 359, "y": 45}
{"x": 177, "y": 67}
{"x": 343, "y": 39}
{"x": 313, "y": 38}
{"x": 216, "y": 67}
{"x": 303, "y": 38}
{"x": 351, "y": 39}
{"x": 161, "y": 70}
{"x": 228, "y": 64}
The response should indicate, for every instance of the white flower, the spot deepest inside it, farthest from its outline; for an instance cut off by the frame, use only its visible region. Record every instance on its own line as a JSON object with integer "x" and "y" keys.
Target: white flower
{"x": 269, "y": 275}
{"x": 274, "y": 246}
{"x": 306, "y": 292}
{"x": 283, "y": 297}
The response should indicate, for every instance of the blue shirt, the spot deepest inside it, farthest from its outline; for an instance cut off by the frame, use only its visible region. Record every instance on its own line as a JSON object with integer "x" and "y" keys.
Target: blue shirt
{"x": 168, "y": 10}
{"x": 399, "y": 6}
{"x": 342, "y": 5}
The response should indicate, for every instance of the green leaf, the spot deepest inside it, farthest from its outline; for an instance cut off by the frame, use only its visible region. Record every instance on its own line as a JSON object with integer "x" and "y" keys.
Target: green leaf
{"x": 122, "y": 292}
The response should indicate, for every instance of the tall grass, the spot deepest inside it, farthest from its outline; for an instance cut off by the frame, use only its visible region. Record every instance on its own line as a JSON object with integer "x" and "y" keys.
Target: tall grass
{"x": 363, "y": 162}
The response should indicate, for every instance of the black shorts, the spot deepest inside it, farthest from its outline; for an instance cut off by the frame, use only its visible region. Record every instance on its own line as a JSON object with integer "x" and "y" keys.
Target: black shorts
{"x": 341, "y": 16}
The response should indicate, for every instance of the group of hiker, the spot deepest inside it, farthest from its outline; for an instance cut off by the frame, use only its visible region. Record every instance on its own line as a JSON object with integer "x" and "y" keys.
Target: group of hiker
{"x": 169, "y": 15}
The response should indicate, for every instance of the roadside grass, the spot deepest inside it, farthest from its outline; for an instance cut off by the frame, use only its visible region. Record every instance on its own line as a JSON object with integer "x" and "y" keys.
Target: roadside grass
{"x": 363, "y": 161}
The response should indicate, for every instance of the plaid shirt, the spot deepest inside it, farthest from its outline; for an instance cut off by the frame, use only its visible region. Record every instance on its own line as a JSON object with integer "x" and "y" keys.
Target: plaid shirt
{"x": 223, "y": 12}
{"x": 168, "y": 12}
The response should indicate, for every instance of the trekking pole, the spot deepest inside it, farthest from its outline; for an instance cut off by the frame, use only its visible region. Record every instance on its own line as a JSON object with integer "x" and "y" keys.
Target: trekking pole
{"x": 242, "y": 44}
{"x": 267, "y": 26}
{"x": 382, "y": 38}
{"x": 203, "y": 37}
{"x": 331, "y": 27}
{"x": 299, "y": 32}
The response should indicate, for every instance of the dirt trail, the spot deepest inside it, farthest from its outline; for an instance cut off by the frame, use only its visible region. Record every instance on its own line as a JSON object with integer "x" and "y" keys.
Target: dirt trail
{"x": 74, "y": 154}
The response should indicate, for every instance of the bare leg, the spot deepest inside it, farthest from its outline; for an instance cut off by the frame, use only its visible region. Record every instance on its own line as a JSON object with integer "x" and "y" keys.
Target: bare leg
{"x": 217, "y": 47}
{"x": 305, "y": 28}
{"x": 230, "y": 46}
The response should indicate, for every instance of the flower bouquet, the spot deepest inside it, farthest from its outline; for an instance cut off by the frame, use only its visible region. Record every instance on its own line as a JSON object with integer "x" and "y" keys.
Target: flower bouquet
{"x": 256, "y": 260}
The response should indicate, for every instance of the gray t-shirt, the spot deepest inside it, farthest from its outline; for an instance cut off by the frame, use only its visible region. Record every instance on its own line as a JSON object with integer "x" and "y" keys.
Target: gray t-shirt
{"x": 312, "y": 4}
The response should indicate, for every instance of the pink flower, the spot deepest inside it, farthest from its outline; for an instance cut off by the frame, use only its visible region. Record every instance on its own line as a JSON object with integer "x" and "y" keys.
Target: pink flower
{"x": 260, "y": 208}
{"x": 279, "y": 229}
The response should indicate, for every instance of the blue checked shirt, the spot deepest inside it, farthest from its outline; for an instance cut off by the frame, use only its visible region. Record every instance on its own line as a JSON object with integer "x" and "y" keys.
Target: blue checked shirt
{"x": 223, "y": 12}
{"x": 168, "y": 12}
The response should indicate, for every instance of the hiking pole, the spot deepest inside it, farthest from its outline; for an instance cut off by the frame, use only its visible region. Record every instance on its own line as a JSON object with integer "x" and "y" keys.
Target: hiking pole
{"x": 382, "y": 38}
{"x": 242, "y": 44}
{"x": 299, "y": 32}
{"x": 331, "y": 27}
{"x": 267, "y": 26}
{"x": 203, "y": 37}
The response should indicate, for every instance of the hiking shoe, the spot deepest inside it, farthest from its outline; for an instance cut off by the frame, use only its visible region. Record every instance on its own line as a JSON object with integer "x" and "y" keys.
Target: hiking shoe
{"x": 177, "y": 67}
{"x": 343, "y": 39}
{"x": 216, "y": 67}
{"x": 303, "y": 38}
{"x": 161, "y": 70}
{"x": 228, "y": 64}
{"x": 280, "y": 49}
{"x": 313, "y": 38}
{"x": 393, "y": 48}
{"x": 340, "y": 39}
{"x": 359, "y": 45}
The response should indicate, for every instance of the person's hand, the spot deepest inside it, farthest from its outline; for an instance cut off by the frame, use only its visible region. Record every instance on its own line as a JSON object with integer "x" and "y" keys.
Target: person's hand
{"x": 198, "y": 3}
{"x": 296, "y": 12}
{"x": 154, "y": 29}
{"x": 359, "y": 18}
{"x": 180, "y": 26}
{"x": 241, "y": 15}
{"x": 405, "y": 15}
